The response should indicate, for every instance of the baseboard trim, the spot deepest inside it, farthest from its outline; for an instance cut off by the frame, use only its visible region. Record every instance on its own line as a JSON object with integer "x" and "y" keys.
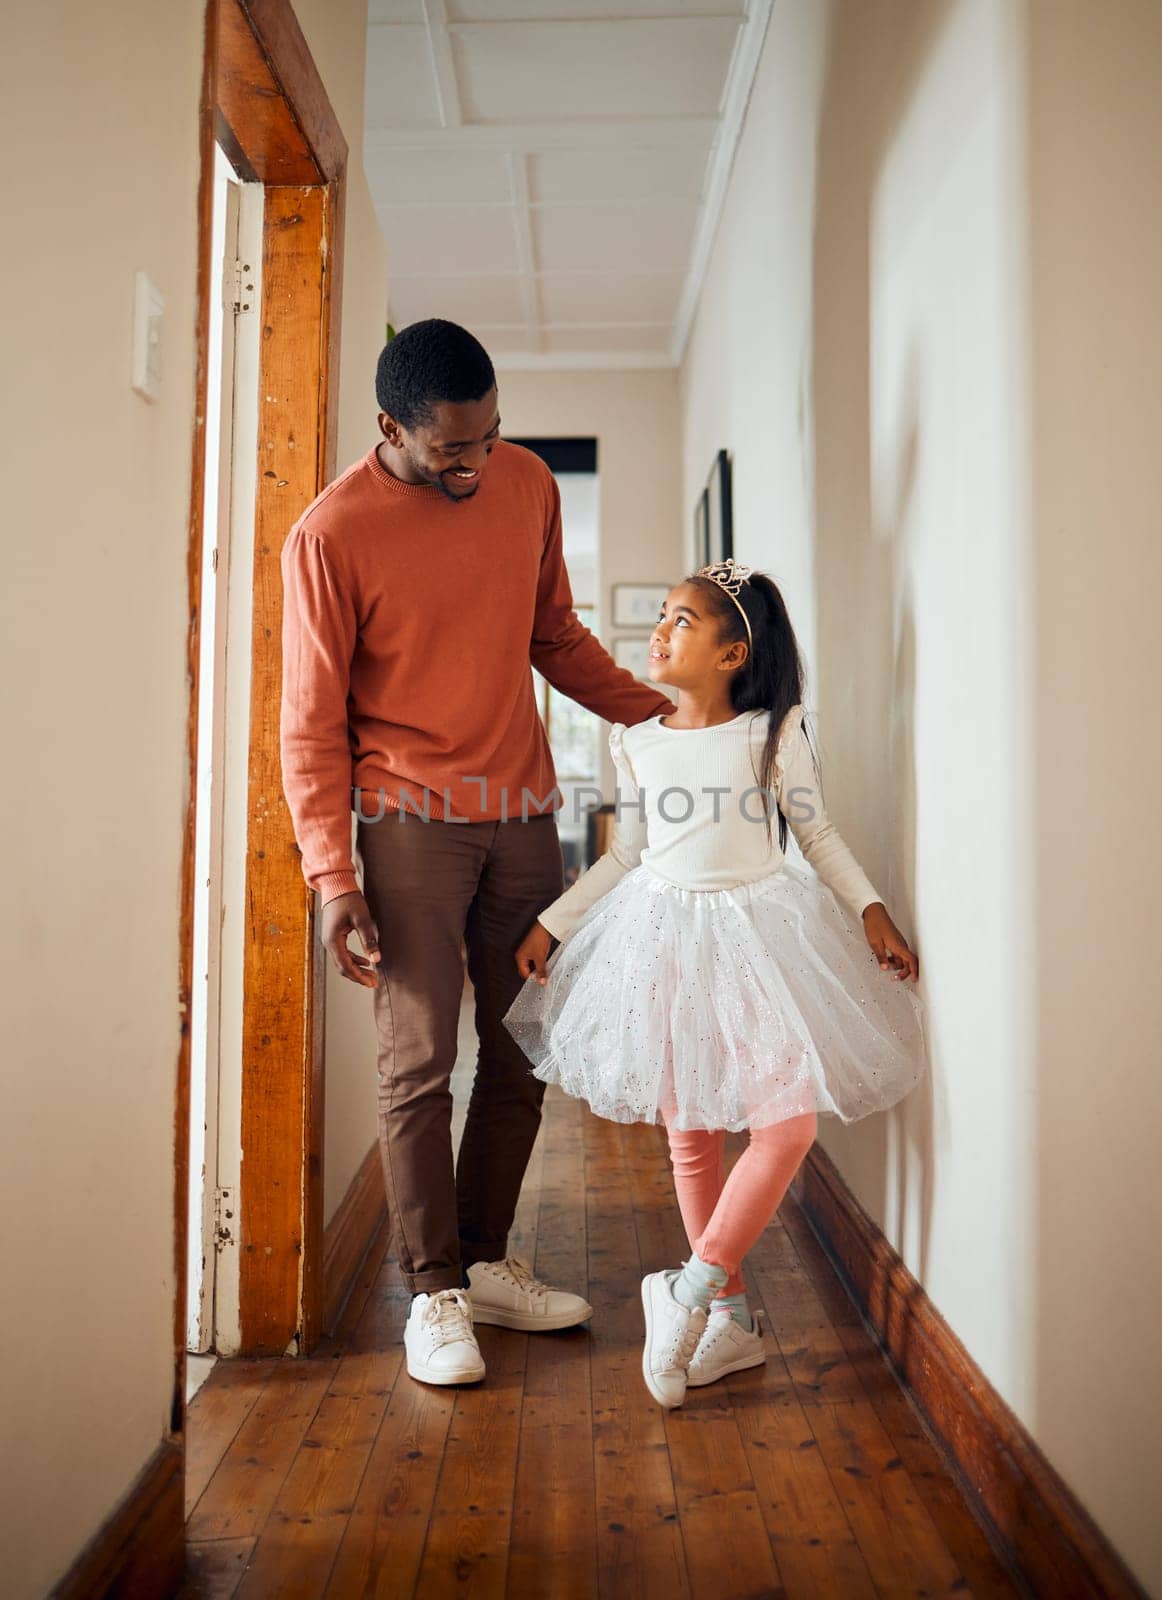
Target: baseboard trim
{"x": 347, "y": 1237}
{"x": 1037, "y": 1524}
{"x": 139, "y": 1553}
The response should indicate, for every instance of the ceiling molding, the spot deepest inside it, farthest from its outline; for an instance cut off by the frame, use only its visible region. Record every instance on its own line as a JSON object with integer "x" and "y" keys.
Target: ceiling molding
{"x": 662, "y": 18}
{"x": 582, "y": 361}
{"x": 518, "y": 172}
{"x": 443, "y": 66}
{"x": 740, "y": 84}
{"x": 602, "y": 133}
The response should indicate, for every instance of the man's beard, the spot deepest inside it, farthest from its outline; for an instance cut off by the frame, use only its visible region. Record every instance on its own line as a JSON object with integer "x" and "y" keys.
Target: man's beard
{"x": 470, "y": 494}
{"x": 441, "y": 484}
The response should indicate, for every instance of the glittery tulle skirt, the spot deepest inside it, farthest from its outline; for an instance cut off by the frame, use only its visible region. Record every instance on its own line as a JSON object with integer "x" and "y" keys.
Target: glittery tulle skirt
{"x": 729, "y": 1008}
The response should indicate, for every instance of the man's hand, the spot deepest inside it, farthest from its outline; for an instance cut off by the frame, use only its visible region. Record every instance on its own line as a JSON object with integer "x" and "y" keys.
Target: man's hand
{"x": 343, "y": 916}
{"x": 533, "y": 952}
{"x": 889, "y": 944}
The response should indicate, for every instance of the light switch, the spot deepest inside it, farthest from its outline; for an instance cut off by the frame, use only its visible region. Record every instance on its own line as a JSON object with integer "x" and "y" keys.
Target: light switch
{"x": 147, "y": 320}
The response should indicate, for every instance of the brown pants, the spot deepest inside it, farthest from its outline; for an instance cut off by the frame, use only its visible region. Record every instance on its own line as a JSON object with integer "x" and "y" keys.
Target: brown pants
{"x": 432, "y": 886}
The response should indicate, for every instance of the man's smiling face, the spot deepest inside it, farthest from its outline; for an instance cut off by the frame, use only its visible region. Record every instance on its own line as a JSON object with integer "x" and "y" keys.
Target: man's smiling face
{"x": 450, "y": 449}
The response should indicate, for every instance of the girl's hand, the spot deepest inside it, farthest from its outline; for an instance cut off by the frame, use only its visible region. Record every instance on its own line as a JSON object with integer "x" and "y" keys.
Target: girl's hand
{"x": 889, "y": 944}
{"x": 532, "y": 953}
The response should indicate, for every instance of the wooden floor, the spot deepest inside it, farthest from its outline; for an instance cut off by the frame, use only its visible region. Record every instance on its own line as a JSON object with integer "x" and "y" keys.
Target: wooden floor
{"x": 559, "y": 1476}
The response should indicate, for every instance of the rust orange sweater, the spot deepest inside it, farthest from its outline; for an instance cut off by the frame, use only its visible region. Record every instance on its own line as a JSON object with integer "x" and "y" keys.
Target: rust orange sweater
{"x": 408, "y": 629}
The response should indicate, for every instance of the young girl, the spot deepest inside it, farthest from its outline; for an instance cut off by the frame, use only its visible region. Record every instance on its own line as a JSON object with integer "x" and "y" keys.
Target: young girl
{"x": 702, "y": 979}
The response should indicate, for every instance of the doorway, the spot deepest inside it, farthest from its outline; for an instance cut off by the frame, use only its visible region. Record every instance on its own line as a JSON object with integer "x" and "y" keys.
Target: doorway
{"x": 231, "y": 436}
{"x": 248, "y": 1236}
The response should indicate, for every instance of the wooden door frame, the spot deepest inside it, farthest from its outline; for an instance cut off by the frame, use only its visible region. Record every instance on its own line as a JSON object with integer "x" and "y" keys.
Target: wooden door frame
{"x": 264, "y": 102}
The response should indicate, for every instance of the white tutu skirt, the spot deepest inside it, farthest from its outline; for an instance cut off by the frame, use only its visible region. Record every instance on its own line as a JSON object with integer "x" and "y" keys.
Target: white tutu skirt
{"x": 731, "y": 1008}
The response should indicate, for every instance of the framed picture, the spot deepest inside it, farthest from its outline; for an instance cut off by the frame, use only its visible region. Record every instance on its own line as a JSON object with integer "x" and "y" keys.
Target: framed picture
{"x": 636, "y": 605}
{"x": 714, "y": 514}
{"x": 634, "y": 655}
{"x": 702, "y": 530}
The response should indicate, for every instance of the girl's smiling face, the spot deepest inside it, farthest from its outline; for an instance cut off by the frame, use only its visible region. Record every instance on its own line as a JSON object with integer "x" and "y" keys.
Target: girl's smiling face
{"x": 686, "y": 648}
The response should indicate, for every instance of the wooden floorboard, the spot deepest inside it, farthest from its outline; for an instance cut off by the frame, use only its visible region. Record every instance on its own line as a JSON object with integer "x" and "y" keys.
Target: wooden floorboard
{"x": 219, "y": 1409}
{"x": 639, "y": 1540}
{"x": 812, "y": 1477}
{"x": 553, "y": 1546}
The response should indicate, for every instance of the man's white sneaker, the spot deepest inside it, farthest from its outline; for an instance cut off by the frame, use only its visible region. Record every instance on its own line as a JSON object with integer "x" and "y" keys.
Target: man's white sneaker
{"x": 506, "y": 1294}
{"x": 672, "y": 1334}
{"x": 725, "y": 1347}
{"x": 441, "y": 1346}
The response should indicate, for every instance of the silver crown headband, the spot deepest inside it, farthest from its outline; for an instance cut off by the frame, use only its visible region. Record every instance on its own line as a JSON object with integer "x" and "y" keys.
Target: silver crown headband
{"x": 730, "y": 575}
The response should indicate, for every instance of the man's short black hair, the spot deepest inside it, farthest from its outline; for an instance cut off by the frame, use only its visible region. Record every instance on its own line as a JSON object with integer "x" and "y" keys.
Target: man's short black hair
{"x": 429, "y": 362}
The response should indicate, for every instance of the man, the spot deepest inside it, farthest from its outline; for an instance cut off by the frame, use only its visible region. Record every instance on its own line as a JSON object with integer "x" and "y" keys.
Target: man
{"x": 419, "y": 587}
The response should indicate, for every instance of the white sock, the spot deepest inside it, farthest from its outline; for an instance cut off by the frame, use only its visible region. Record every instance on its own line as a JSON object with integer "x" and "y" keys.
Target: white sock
{"x": 697, "y": 1284}
{"x": 738, "y": 1308}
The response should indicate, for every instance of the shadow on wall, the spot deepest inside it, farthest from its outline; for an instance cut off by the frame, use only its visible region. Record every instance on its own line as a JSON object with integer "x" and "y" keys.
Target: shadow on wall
{"x": 864, "y": 625}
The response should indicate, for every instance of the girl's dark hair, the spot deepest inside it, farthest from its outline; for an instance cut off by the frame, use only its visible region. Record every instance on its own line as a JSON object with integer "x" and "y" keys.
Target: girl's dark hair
{"x": 772, "y": 678}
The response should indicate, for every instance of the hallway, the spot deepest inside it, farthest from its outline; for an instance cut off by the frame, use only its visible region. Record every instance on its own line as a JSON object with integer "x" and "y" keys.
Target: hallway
{"x": 560, "y": 1476}
{"x": 861, "y": 295}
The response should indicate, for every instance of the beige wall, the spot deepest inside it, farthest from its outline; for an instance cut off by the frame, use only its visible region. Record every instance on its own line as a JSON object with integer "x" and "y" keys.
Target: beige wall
{"x": 931, "y": 353}
{"x": 94, "y": 631}
{"x": 1095, "y": 137}
{"x": 94, "y": 628}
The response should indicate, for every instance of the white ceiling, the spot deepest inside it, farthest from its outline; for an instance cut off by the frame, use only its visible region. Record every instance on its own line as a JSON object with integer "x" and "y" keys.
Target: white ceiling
{"x": 550, "y": 172}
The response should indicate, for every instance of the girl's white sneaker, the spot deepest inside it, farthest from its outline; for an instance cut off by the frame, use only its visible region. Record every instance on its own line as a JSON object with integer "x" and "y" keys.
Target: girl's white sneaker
{"x": 440, "y": 1344}
{"x": 672, "y": 1334}
{"x": 724, "y": 1348}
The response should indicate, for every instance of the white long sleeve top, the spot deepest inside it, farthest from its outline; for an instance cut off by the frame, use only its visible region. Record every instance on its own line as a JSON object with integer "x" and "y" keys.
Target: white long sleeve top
{"x": 691, "y": 810}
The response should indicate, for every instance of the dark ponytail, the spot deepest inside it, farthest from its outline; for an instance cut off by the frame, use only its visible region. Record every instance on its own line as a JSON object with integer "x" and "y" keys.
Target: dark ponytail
{"x": 772, "y": 678}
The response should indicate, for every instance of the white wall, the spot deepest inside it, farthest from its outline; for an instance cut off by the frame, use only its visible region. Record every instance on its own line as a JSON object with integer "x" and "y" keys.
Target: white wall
{"x": 921, "y": 549}
{"x": 94, "y": 625}
{"x": 930, "y": 355}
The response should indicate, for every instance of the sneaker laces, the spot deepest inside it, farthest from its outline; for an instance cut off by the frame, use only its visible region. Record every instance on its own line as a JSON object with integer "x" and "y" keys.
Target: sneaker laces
{"x": 718, "y": 1323}
{"x": 520, "y": 1275}
{"x": 717, "y": 1332}
{"x": 680, "y": 1351}
{"x": 448, "y": 1316}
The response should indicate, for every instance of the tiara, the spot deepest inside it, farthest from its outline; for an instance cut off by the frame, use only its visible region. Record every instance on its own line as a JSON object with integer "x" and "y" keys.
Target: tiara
{"x": 730, "y": 575}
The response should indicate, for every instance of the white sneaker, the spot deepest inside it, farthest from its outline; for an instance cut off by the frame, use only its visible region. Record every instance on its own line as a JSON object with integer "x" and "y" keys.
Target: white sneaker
{"x": 726, "y": 1347}
{"x": 506, "y": 1294}
{"x": 672, "y": 1334}
{"x": 440, "y": 1344}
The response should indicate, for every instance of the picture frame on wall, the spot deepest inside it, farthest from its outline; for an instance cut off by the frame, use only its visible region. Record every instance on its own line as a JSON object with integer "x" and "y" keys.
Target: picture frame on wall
{"x": 721, "y": 509}
{"x": 633, "y": 655}
{"x": 714, "y": 514}
{"x": 702, "y": 529}
{"x": 636, "y": 605}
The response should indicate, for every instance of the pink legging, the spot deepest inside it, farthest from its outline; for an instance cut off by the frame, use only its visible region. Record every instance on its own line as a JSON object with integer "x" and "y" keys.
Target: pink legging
{"x": 724, "y": 1216}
